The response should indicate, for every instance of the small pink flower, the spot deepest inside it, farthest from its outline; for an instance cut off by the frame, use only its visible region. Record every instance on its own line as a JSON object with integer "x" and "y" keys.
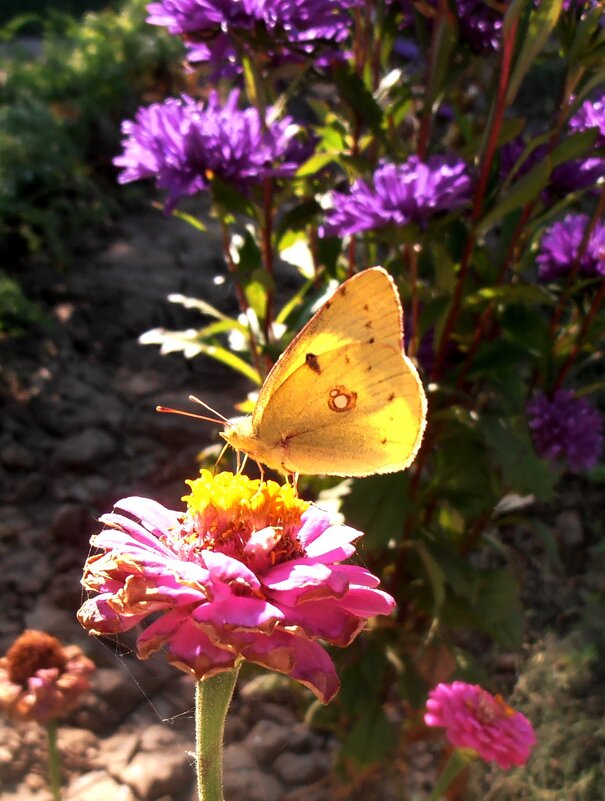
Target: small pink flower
{"x": 249, "y": 571}
{"x": 41, "y": 680}
{"x": 475, "y": 719}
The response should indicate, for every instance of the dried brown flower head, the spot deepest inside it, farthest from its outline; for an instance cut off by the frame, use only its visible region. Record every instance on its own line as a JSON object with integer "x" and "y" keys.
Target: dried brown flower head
{"x": 40, "y": 679}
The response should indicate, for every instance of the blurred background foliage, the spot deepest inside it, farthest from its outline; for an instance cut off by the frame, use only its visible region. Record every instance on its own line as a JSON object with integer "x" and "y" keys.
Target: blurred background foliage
{"x": 62, "y": 99}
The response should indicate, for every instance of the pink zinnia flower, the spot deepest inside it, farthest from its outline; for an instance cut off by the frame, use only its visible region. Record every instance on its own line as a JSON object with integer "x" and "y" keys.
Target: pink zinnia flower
{"x": 484, "y": 723}
{"x": 40, "y": 679}
{"x": 249, "y": 571}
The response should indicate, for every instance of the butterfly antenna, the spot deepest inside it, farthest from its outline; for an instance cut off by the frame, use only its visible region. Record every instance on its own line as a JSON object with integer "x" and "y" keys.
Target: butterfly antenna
{"x": 210, "y": 409}
{"x": 169, "y": 410}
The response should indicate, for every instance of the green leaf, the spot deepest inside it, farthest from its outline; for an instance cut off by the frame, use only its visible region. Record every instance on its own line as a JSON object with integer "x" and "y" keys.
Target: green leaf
{"x": 228, "y": 199}
{"x": 371, "y": 738}
{"x": 463, "y": 476}
{"x": 189, "y": 219}
{"x": 513, "y": 453}
{"x": 202, "y": 306}
{"x": 378, "y": 506}
{"x": 435, "y": 575}
{"x": 316, "y": 163}
{"x": 495, "y": 356}
{"x": 542, "y": 20}
{"x": 358, "y": 97}
{"x": 526, "y": 294}
{"x": 296, "y": 219}
{"x": 445, "y": 38}
{"x": 574, "y": 145}
{"x": 513, "y": 13}
{"x": 521, "y": 192}
{"x": 496, "y": 609}
{"x": 499, "y": 609}
{"x": 189, "y": 344}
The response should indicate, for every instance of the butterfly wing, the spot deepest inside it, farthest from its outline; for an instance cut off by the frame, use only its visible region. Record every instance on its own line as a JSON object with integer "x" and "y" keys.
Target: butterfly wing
{"x": 356, "y": 410}
{"x": 364, "y": 308}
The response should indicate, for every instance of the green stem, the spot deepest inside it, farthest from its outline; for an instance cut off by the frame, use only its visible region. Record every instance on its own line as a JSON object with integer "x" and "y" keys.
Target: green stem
{"x": 212, "y": 698}
{"x": 53, "y": 761}
{"x": 458, "y": 761}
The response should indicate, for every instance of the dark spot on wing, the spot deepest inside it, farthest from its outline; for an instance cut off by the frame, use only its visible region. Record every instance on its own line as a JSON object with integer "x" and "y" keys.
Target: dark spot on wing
{"x": 312, "y": 361}
{"x": 383, "y": 441}
{"x": 341, "y": 399}
{"x": 371, "y": 341}
{"x": 366, "y": 307}
{"x": 391, "y": 397}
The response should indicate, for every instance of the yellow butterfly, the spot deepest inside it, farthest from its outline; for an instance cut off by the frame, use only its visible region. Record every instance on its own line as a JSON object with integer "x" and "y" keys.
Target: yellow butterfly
{"x": 343, "y": 399}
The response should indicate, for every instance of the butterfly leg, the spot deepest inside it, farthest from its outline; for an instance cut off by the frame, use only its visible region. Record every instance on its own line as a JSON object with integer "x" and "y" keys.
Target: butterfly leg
{"x": 220, "y": 456}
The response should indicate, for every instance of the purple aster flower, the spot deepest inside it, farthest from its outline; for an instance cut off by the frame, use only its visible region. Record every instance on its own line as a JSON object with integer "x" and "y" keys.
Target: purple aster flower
{"x": 479, "y": 24}
{"x": 571, "y": 176}
{"x": 511, "y": 152}
{"x": 183, "y": 143}
{"x": 591, "y": 114}
{"x": 578, "y": 174}
{"x": 400, "y": 194}
{"x": 560, "y": 245}
{"x": 285, "y": 29}
{"x": 566, "y": 429}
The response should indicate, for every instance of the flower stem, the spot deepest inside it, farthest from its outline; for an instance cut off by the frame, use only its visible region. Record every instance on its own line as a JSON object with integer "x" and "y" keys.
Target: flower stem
{"x": 457, "y": 762}
{"x": 493, "y": 132}
{"x": 212, "y": 698}
{"x": 53, "y": 761}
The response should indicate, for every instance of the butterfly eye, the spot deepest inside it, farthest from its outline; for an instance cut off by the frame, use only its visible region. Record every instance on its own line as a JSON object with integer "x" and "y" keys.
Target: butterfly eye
{"x": 341, "y": 399}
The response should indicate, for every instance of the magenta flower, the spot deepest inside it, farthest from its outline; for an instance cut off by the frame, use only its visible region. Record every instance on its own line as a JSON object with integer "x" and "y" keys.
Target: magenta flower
{"x": 215, "y": 31}
{"x": 400, "y": 194}
{"x": 566, "y": 429}
{"x": 560, "y": 246}
{"x": 249, "y": 571}
{"x": 484, "y": 723}
{"x": 183, "y": 143}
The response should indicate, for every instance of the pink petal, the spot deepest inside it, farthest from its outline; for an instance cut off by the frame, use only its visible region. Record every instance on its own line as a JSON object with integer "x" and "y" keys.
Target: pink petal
{"x": 303, "y": 575}
{"x": 240, "y": 612}
{"x": 297, "y": 657}
{"x": 227, "y": 569}
{"x": 367, "y": 603}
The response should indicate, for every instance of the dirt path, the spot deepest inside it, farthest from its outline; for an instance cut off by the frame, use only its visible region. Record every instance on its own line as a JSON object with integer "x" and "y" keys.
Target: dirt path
{"x": 79, "y": 430}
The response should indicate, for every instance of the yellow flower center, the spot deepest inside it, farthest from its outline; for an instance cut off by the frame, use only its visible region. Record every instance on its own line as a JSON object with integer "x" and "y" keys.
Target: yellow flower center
{"x": 243, "y": 517}
{"x": 489, "y": 708}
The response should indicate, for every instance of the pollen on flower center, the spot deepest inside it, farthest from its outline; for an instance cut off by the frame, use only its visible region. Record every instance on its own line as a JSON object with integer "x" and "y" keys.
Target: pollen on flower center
{"x": 244, "y": 518}
{"x": 489, "y": 708}
{"x": 33, "y": 651}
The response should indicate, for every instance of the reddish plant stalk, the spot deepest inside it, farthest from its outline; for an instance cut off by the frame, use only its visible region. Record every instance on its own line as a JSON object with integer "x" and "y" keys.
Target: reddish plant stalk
{"x": 511, "y": 254}
{"x": 490, "y": 149}
{"x": 486, "y": 315}
{"x": 582, "y": 333}
{"x": 427, "y": 112}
